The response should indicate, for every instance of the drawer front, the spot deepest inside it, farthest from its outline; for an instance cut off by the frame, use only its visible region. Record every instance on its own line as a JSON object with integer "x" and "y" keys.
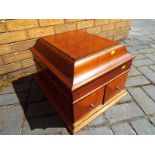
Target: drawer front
{"x": 101, "y": 80}
{"x": 88, "y": 104}
{"x": 115, "y": 87}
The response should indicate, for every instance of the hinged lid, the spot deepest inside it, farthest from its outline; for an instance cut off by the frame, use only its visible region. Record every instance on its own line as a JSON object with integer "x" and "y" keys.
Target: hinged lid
{"x": 77, "y": 57}
{"x": 78, "y": 44}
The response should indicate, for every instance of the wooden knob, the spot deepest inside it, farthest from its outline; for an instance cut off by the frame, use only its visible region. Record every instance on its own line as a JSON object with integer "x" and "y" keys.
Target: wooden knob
{"x": 118, "y": 88}
{"x": 92, "y": 105}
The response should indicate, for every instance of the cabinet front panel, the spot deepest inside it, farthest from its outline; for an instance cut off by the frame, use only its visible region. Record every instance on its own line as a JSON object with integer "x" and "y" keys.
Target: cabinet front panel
{"x": 101, "y": 80}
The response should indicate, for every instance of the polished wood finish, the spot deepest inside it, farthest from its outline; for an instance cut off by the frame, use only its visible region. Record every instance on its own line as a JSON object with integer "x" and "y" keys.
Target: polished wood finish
{"x": 87, "y": 104}
{"x": 115, "y": 86}
{"x": 87, "y": 68}
{"x": 81, "y": 74}
{"x": 78, "y": 44}
{"x": 74, "y": 127}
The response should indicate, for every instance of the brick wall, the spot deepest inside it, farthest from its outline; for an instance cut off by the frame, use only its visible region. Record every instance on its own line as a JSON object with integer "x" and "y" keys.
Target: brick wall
{"x": 17, "y": 36}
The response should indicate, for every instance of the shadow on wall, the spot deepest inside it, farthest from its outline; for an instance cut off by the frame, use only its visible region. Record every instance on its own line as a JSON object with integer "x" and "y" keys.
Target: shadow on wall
{"x": 38, "y": 111}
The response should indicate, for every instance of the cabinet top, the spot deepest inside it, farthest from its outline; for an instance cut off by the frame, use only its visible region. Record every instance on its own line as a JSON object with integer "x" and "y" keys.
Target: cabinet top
{"x": 78, "y": 44}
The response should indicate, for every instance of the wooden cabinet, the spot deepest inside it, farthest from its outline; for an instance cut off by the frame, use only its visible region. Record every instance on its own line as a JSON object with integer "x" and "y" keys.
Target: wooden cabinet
{"x": 82, "y": 74}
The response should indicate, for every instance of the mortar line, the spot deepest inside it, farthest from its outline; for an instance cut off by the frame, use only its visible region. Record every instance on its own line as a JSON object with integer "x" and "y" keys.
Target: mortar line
{"x": 137, "y": 103}
{"x": 133, "y": 128}
{"x": 147, "y": 94}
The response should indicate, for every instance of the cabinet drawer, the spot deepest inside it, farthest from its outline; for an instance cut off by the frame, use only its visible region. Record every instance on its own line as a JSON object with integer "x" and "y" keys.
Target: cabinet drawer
{"x": 88, "y": 104}
{"x": 115, "y": 87}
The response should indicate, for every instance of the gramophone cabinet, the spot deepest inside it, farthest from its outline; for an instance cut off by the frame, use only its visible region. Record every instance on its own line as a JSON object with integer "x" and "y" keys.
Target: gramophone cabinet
{"x": 81, "y": 74}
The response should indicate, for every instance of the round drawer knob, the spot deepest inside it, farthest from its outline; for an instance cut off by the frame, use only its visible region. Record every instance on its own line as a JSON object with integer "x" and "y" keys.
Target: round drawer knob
{"x": 92, "y": 105}
{"x": 118, "y": 88}
{"x": 123, "y": 67}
